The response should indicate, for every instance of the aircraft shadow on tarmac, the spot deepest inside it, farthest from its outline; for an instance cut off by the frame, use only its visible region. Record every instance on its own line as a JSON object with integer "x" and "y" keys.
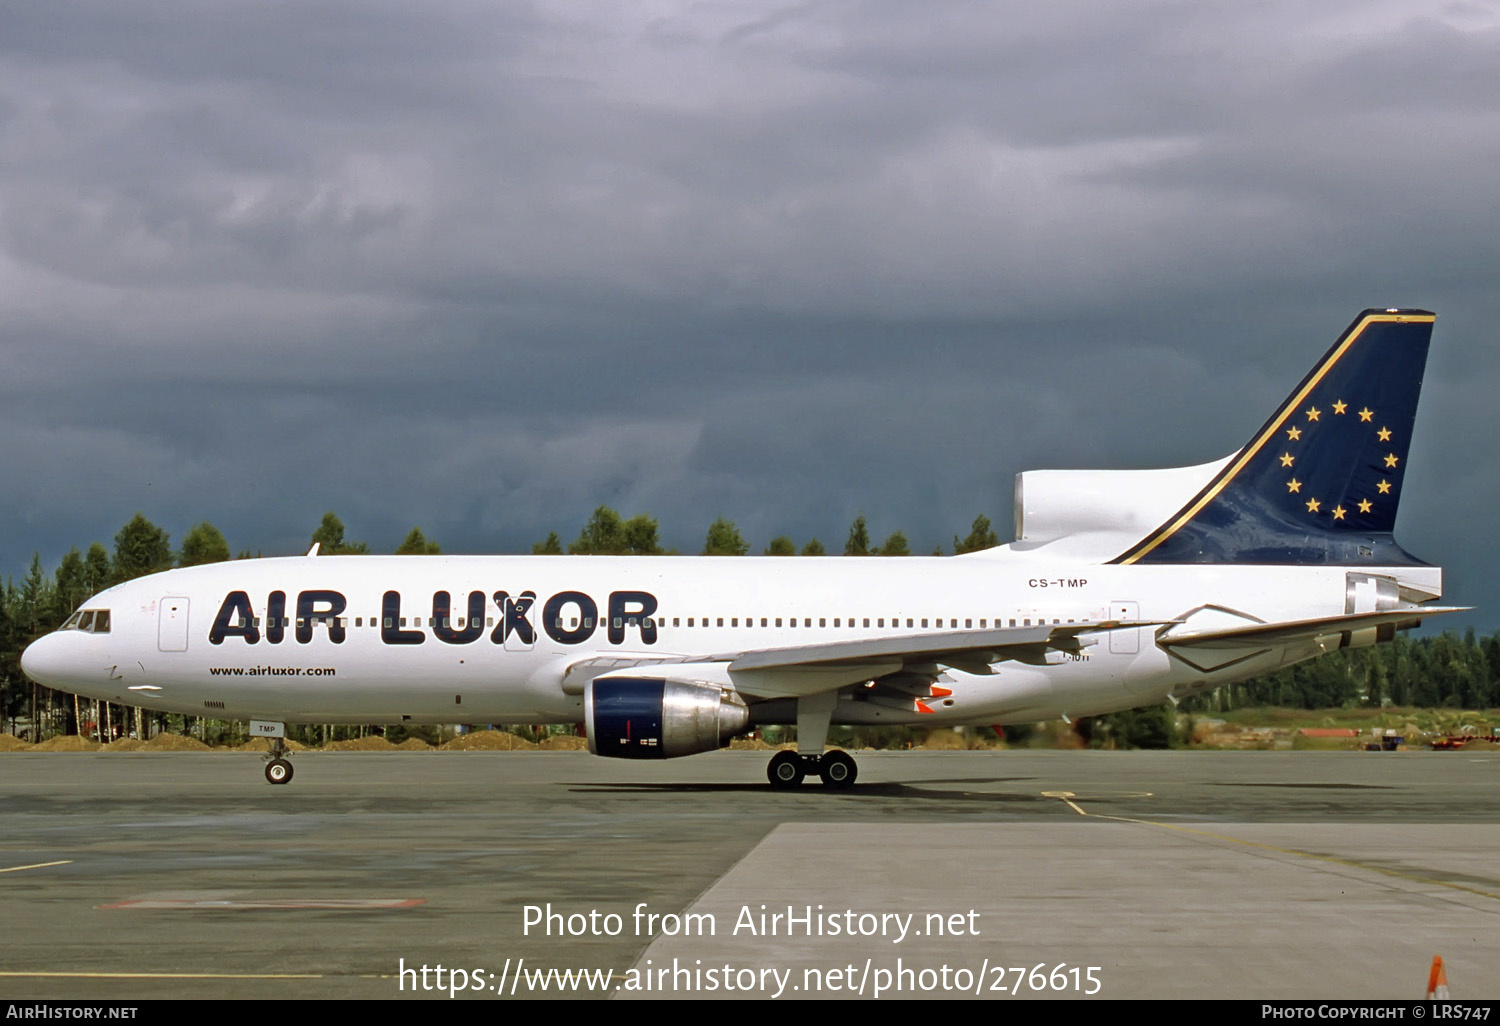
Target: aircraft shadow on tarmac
{"x": 922, "y": 789}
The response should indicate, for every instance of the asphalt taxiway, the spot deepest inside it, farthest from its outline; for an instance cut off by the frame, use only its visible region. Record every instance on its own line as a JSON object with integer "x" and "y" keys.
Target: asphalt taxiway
{"x": 1191, "y": 874}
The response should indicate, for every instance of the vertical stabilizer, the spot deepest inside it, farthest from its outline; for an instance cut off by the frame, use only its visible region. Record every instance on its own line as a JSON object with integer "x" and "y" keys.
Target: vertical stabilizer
{"x": 1321, "y": 480}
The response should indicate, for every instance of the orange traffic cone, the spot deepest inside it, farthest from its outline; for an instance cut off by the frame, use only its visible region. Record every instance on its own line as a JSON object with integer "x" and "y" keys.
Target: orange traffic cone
{"x": 1437, "y": 980}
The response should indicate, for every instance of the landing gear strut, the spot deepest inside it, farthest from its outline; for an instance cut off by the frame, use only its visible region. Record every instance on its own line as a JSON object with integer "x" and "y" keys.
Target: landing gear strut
{"x": 278, "y": 768}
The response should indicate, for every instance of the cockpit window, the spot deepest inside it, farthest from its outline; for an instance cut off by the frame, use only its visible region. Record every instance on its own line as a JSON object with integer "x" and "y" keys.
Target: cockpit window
{"x": 94, "y": 621}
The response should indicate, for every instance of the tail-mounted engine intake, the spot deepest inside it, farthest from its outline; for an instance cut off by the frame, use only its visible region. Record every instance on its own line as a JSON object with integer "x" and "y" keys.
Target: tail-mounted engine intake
{"x": 646, "y": 718}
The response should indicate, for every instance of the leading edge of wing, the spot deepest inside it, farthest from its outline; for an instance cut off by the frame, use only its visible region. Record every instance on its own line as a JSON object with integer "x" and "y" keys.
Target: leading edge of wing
{"x": 798, "y": 670}
{"x": 808, "y": 669}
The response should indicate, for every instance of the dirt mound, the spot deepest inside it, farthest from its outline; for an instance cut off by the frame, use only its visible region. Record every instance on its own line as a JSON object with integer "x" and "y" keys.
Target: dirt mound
{"x": 750, "y": 744}
{"x": 124, "y": 744}
{"x": 11, "y": 743}
{"x": 66, "y": 743}
{"x": 360, "y": 744}
{"x": 488, "y": 741}
{"x": 944, "y": 741}
{"x": 174, "y": 743}
{"x": 414, "y": 744}
{"x": 563, "y": 743}
{"x": 261, "y": 744}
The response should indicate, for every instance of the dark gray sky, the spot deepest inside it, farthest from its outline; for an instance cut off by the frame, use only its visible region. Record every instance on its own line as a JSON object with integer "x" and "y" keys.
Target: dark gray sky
{"x": 484, "y": 267}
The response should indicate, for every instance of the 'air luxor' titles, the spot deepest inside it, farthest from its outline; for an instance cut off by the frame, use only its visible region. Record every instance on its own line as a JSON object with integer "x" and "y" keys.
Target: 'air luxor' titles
{"x": 569, "y": 618}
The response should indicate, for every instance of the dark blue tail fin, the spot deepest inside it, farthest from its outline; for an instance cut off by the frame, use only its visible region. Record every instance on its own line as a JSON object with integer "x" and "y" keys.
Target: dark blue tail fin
{"x": 1319, "y": 483}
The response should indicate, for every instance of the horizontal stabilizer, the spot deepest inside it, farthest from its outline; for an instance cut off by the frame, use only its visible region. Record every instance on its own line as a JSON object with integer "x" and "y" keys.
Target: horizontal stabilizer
{"x": 1261, "y": 635}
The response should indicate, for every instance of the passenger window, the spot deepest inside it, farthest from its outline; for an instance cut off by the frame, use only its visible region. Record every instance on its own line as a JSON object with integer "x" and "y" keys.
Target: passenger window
{"x": 822, "y": 621}
{"x": 721, "y": 621}
{"x": 867, "y": 621}
{"x": 836, "y": 621}
{"x": 763, "y": 621}
{"x": 924, "y": 621}
{"x": 880, "y": 622}
{"x": 690, "y": 621}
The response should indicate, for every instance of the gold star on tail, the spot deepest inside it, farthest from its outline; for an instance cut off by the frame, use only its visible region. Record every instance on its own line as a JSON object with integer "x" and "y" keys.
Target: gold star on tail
{"x": 1340, "y": 406}
{"x": 1312, "y": 505}
{"x": 1365, "y": 505}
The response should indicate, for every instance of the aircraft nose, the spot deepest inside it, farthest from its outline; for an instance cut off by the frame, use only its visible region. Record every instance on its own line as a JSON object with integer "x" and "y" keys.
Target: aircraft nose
{"x": 45, "y": 660}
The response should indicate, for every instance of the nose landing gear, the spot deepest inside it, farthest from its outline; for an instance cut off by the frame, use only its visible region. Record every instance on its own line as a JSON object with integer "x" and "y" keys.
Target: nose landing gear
{"x": 278, "y": 767}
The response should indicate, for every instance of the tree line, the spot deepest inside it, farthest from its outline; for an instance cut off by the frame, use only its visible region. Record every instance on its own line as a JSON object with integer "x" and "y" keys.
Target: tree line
{"x": 1444, "y": 671}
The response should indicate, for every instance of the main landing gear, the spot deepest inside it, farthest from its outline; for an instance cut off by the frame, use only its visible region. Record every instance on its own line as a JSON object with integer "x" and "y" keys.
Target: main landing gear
{"x": 787, "y": 769}
{"x": 278, "y": 767}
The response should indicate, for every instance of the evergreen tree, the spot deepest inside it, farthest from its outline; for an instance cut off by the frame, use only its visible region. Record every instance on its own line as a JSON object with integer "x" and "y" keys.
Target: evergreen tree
{"x": 724, "y": 539}
{"x": 640, "y": 536}
{"x": 72, "y": 586}
{"x": 781, "y": 545}
{"x": 96, "y": 569}
{"x": 551, "y": 547}
{"x": 329, "y": 537}
{"x": 203, "y": 544}
{"x": 895, "y": 545}
{"x": 416, "y": 544}
{"x": 603, "y": 535}
{"x": 141, "y": 548}
{"x": 859, "y": 538}
{"x": 36, "y": 601}
{"x": 814, "y": 548}
{"x": 981, "y": 536}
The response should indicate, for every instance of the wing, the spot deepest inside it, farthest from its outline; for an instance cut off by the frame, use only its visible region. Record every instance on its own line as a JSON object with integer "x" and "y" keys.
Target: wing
{"x": 908, "y": 663}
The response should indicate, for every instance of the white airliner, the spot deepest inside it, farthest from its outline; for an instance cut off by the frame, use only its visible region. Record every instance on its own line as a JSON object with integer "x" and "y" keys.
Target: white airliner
{"x": 1123, "y": 588}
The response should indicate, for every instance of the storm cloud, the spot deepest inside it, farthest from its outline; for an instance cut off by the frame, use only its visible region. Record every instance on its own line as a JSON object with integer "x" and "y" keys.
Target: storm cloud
{"x": 484, "y": 267}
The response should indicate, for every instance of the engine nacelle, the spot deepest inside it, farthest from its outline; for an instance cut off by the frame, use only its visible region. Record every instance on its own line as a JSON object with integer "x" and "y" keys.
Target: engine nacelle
{"x": 652, "y": 718}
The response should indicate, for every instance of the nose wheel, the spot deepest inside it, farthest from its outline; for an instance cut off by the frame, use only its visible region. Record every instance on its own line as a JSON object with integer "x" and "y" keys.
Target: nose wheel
{"x": 788, "y": 769}
{"x": 278, "y": 767}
